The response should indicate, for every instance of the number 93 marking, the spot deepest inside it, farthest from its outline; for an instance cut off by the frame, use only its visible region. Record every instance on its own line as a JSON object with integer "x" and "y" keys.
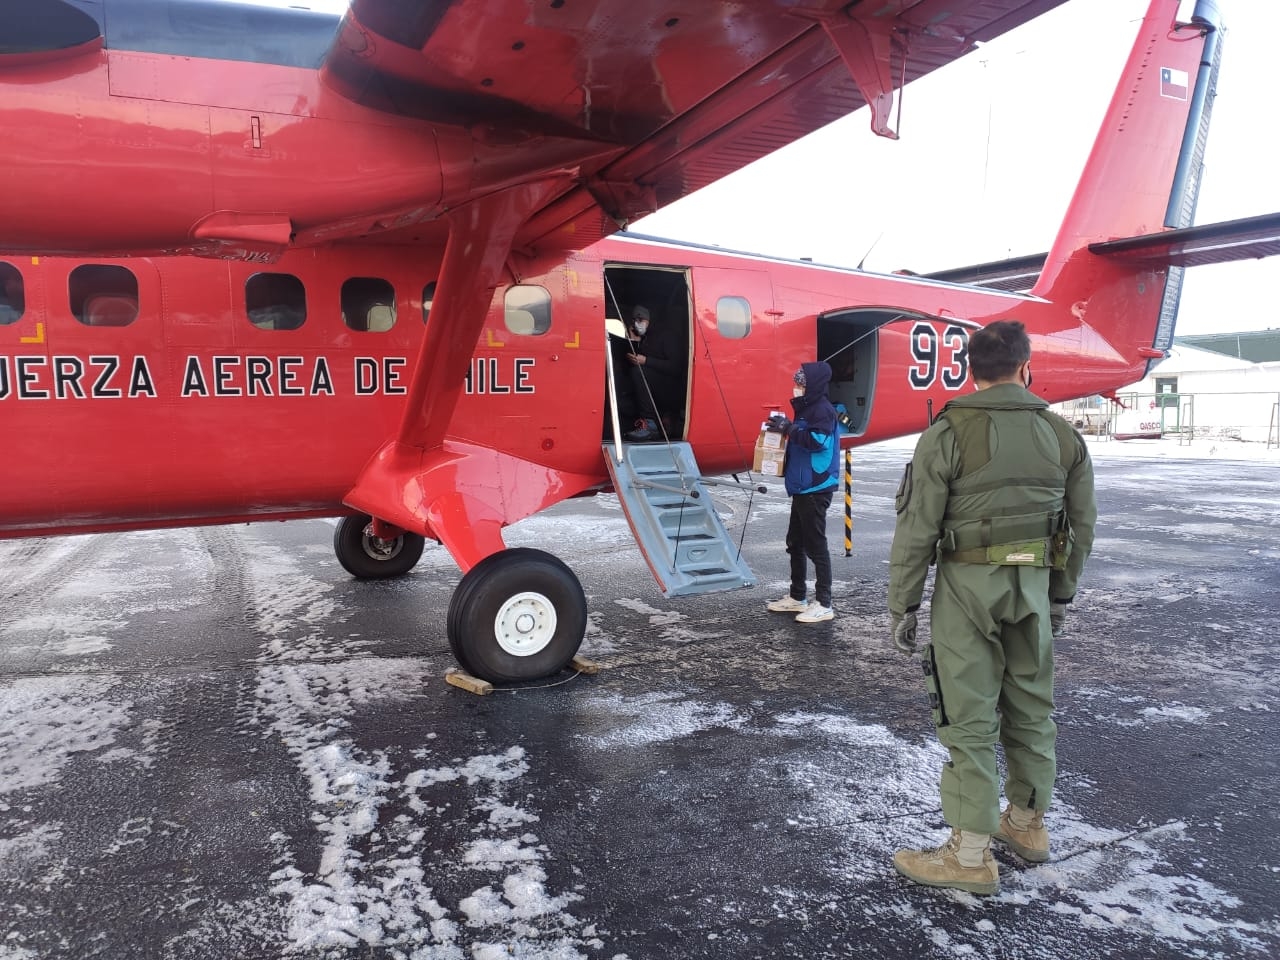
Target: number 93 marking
{"x": 928, "y": 360}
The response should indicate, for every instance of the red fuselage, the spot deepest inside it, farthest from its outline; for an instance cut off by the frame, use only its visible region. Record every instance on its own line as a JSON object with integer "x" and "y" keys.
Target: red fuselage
{"x": 287, "y": 371}
{"x": 191, "y": 412}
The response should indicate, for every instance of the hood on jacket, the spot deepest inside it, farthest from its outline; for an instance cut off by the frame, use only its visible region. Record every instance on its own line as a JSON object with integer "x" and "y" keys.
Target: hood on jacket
{"x": 815, "y": 407}
{"x": 817, "y": 377}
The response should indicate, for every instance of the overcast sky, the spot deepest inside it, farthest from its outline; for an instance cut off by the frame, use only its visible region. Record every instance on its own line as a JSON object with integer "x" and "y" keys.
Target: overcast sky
{"x": 991, "y": 149}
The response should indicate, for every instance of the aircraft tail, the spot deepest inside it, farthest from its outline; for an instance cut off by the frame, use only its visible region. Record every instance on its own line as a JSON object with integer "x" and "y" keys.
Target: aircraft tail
{"x": 1142, "y": 177}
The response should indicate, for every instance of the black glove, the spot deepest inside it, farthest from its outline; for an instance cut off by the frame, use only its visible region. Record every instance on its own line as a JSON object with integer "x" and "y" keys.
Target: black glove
{"x": 904, "y": 632}
{"x": 779, "y": 422}
{"x": 1058, "y": 617}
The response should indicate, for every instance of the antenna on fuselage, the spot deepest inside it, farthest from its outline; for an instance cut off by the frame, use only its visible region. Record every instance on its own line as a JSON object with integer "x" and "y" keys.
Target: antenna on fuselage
{"x": 869, "y": 249}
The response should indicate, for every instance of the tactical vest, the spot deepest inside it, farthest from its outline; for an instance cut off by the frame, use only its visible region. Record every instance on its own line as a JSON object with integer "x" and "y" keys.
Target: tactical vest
{"x": 1006, "y": 506}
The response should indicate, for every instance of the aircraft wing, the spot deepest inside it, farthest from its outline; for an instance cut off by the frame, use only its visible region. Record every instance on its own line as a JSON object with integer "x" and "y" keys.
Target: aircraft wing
{"x": 1250, "y": 238}
{"x": 644, "y": 102}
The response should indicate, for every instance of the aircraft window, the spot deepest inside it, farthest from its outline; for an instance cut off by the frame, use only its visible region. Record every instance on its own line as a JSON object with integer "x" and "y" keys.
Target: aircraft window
{"x": 13, "y": 298}
{"x": 275, "y": 301}
{"x": 528, "y": 310}
{"x": 733, "y": 317}
{"x": 428, "y": 294}
{"x": 103, "y": 295}
{"x": 368, "y": 303}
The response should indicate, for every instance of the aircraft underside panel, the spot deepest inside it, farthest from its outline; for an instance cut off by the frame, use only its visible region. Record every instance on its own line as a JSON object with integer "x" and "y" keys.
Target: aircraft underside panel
{"x": 674, "y": 521}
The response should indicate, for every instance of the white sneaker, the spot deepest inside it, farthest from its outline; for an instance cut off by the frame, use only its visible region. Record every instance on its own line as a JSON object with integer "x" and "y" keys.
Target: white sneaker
{"x": 787, "y": 604}
{"x": 815, "y": 613}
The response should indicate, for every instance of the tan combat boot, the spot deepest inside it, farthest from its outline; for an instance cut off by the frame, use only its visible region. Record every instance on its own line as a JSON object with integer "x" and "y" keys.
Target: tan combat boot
{"x": 942, "y": 867}
{"x": 1023, "y": 832}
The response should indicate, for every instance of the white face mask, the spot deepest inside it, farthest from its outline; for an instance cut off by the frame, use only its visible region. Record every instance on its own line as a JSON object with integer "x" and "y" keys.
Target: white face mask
{"x": 640, "y": 326}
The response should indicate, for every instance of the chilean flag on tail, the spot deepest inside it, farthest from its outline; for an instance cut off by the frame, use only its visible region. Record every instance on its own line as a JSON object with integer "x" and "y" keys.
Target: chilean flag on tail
{"x": 1173, "y": 83}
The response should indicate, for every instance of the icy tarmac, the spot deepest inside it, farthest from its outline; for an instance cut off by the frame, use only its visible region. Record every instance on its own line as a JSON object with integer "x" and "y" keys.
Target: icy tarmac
{"x": 215, "y": 744}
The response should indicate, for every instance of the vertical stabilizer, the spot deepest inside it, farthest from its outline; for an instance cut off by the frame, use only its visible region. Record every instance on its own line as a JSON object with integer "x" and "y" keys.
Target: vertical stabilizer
{"x": 1142, "y": 177}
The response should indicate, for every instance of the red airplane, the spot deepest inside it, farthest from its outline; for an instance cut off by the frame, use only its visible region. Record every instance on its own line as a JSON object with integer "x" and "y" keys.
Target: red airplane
{"x": 363, "y": 270}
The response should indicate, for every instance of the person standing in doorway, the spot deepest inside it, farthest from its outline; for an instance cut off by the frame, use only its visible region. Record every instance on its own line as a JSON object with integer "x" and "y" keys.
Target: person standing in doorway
{"x": 657, "y": 364}
{"x": 809, "y": 470}
{"x": 1000, "y": 493}
{"x": 621, "y": 347}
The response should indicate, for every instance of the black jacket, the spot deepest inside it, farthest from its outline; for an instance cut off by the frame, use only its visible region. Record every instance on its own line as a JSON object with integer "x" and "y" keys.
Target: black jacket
{"x": 663, "y": 349}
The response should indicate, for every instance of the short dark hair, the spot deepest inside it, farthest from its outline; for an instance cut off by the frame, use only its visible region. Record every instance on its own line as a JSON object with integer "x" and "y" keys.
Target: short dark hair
{"x": 998, "y": 350}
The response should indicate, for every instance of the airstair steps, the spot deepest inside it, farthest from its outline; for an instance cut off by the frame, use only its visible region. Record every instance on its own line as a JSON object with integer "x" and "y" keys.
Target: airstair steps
{"x": 674, "y": 520}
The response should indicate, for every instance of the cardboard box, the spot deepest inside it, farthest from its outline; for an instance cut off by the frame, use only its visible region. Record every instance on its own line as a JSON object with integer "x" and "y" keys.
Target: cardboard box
{"x": 771, "y": 446}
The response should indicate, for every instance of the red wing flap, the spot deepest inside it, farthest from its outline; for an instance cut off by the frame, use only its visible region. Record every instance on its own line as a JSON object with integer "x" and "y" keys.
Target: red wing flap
{"x": 1248, "y": 239}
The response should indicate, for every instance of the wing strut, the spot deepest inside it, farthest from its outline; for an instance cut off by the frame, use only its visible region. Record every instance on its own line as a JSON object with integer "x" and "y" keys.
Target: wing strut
{"x": 418, "y": 481}
{"x": 480, "y": 236}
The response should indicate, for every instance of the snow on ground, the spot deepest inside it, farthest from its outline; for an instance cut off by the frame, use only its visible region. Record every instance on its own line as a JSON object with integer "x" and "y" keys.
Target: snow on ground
{"x": 1166, "y": 448}
{"x": 650, "y": 718}
{"x": 376, "y": 815}
{"x": 359, "y": 897}
{"x": 44, "y": 721}
{"x": 1099, "y": 878}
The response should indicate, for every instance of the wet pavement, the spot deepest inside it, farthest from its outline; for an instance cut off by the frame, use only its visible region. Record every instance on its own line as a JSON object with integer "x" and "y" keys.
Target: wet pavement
{"x": 215, "y": 744}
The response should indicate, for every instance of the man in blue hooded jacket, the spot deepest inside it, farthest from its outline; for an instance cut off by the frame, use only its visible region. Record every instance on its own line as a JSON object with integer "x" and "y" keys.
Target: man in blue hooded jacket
{"x": 809, "y": 469}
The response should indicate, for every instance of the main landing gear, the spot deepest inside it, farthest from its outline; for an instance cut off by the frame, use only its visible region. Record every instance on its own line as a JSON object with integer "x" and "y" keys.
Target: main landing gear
{"x": 518, "y": 614}
{"x": 369, "y": 557}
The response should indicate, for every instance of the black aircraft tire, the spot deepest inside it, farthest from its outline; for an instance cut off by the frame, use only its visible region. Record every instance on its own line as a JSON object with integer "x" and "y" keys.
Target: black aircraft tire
{"x": 367, "y": 558}
{"x": 517, "y": 615}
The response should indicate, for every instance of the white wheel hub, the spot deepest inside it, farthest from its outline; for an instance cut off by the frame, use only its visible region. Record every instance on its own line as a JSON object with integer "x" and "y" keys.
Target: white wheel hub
{"x": 525, "y": 624}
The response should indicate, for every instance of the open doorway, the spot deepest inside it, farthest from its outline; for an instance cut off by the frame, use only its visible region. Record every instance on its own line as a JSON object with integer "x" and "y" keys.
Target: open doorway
{"x": 652, "y": 398}
{"x": 848, "y": 341}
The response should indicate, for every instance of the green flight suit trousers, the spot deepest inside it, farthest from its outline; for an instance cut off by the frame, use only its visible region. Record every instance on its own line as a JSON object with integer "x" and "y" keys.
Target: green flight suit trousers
{"x": 992, "y": 649}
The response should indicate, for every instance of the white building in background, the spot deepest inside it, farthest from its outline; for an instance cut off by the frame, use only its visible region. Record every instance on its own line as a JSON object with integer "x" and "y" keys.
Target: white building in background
{"x": 1194, "y": 393}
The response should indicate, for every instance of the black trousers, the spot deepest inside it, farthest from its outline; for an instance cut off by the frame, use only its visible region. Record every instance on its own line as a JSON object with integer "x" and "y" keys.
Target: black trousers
{"x": 807, "y": 537}
{"x": 653, "y": 393}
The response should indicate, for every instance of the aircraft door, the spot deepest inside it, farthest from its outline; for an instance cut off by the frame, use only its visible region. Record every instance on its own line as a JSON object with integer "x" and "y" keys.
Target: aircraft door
{"x": 736, "y": 378}
{"x": 652, "y": 397}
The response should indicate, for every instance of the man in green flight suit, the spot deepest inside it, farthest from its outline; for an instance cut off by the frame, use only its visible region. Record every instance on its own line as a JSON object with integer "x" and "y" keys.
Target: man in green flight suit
{"x": 1000, "y": 494}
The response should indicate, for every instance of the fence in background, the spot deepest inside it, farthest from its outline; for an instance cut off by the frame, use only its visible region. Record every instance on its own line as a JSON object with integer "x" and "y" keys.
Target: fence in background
{"x": 1253, "y": 417}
